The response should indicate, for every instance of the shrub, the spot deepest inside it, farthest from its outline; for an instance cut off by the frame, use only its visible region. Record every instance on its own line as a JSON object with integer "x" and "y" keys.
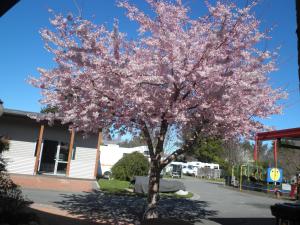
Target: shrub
{"x": 133, "y": 164}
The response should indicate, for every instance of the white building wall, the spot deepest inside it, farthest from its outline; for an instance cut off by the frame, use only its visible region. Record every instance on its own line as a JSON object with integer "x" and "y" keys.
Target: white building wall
{"x": 23, "y": 134}
{"x": 110, "y": 154}
{"x": 83, "y": 166}
{"x": 20, "y": 157}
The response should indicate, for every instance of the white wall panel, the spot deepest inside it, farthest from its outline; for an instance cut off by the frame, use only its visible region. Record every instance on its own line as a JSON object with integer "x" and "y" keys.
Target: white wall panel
{"x": 20, "y": 157}
{"x": 84, "y": 164}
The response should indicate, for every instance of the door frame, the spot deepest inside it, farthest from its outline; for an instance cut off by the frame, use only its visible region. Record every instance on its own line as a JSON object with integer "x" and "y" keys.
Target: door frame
{"x": 59, "y": 161}
{"x": 56, "y": 159}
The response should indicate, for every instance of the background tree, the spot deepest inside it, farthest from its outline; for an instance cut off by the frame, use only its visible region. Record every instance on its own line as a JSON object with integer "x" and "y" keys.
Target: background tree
{"x": 135, "y": 141}
{"x": 226, "y": 153}
{"x": 209, "y": 151}
{"x": 288, "y": 158}
{"x": 49, "y": 109}
{"x": 205, "y": 76}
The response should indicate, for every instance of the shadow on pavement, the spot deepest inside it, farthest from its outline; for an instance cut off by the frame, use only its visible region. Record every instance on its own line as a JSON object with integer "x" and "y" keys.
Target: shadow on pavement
{"x": 46, "y": 218}
{"x": 244, "y": 221}
{"x": 101, "y": 207}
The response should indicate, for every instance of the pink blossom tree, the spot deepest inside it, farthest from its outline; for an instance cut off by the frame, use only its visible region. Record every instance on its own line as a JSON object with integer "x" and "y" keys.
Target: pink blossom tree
{"x": 205, "y": 76}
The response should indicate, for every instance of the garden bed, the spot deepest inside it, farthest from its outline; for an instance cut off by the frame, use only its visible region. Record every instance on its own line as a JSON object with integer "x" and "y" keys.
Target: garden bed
{"x": 119, "y": 187}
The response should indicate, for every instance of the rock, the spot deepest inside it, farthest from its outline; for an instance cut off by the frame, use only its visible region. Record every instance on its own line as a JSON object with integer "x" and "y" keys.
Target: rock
{"x": 181, "y": 192}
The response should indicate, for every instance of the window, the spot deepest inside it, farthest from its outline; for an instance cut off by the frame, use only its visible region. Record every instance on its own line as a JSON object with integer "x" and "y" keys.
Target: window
{"x": 36, "y": 145}
{"x": 73, "y": 153}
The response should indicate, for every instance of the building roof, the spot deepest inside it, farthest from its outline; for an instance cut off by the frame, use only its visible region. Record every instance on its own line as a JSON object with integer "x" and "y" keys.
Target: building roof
{"x": 19, "y": 113}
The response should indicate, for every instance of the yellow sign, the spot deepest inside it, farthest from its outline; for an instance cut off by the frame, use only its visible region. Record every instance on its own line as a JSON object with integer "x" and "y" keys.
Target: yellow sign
{"x": 275, "y": 174}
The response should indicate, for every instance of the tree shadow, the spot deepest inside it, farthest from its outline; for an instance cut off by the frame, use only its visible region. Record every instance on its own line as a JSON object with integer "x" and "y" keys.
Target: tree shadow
{"x": 245, "y": 221}
{"x": 46, "y": 218}
{"x": 102, "y": 207}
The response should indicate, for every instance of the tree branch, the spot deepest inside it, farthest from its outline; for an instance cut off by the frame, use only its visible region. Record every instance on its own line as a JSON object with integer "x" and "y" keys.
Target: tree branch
{"x": 161, "y": 137}
{"x": 148, "y": 138}
{"x": 179, "y": 151}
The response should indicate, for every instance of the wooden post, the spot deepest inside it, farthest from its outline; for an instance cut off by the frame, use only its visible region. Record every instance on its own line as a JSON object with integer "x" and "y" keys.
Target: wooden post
{"x": 38, "y": 151}
{"x": 275, "y": 152}
{"x": 71, "y": 145}
{"x": 98, "y": 153}
{"x": 256, "y": 149}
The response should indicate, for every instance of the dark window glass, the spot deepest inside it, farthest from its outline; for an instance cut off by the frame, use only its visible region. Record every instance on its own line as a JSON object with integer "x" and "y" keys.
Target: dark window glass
{"x": 36, "y": 145}
{"x": 64, "y": 152}
{"x": 74, "y": 153}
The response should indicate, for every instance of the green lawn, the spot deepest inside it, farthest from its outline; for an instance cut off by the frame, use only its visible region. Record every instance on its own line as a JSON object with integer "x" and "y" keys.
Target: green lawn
{"x": 113, "y": 186}
{"x": 119, "y": 187}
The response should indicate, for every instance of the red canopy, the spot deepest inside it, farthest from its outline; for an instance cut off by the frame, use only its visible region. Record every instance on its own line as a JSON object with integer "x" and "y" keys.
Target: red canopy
{"x": 275, "y": 135}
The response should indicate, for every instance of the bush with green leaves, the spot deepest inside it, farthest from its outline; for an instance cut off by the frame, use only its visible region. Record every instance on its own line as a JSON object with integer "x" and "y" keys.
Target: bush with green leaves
{"x": 133, "y": 164}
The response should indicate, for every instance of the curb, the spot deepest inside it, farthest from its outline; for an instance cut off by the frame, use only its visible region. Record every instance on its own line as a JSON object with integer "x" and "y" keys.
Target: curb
{"x": 97, "y": 185}
{"x": 195, "y": 196}
{"x": 206, "y": 222}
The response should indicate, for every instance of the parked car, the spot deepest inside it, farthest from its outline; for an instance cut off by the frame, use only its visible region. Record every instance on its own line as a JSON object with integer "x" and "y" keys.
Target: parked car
{"x": 107, "y": 175}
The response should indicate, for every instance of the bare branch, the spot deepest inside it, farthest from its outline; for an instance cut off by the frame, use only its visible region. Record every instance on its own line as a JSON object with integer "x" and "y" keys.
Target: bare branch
{"x": 189, "y": 143}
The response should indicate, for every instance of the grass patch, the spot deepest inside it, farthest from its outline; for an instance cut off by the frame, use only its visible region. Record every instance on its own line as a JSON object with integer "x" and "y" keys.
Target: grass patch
{"x": 113, "y": 186}
{"x": 119, "y": 187}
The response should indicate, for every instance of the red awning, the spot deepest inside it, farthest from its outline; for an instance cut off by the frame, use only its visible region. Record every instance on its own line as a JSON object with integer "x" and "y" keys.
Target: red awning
{"x": 276, "y": 134}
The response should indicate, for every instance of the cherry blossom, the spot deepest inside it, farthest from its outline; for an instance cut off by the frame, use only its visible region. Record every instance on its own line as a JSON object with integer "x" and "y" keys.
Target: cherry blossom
{"x": 205, "y": 75}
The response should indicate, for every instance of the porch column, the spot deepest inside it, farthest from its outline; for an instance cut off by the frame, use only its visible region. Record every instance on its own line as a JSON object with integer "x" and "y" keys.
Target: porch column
{"x": 38, "y": 149}
{"x": 71, "y": 145}
{"x": 98, "y": 153}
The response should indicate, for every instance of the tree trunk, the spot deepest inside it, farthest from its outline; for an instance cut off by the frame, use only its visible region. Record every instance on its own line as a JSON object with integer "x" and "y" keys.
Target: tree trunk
{"x": 153, "y": 190}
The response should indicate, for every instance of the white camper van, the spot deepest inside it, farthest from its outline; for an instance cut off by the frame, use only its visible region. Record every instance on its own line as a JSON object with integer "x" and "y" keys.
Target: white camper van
{"x": 191, "y": 168}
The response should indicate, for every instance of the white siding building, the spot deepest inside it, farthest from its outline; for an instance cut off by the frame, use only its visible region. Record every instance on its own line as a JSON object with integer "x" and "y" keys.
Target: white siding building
{"x": 36, "y": 148}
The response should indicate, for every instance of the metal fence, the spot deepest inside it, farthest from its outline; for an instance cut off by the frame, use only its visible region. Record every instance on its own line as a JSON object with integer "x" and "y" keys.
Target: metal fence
{"x": 208, "y": 173}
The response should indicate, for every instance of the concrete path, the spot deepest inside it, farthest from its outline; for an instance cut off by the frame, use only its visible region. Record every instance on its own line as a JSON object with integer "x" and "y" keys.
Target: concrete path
{"x": 42, "y": 182}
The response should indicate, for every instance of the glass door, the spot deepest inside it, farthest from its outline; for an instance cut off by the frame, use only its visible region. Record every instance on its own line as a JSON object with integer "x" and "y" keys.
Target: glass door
{"x": 61, "y": 160}
{"x": 48, "y": 157}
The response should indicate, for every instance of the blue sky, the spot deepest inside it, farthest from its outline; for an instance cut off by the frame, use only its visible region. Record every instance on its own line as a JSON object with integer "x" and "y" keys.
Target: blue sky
{"x": 22, "y": 49}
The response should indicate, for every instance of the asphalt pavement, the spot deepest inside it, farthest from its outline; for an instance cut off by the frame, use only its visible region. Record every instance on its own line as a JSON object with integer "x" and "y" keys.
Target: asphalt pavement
{"x": 231, "y": 205}
{"x": 212, "y": 204}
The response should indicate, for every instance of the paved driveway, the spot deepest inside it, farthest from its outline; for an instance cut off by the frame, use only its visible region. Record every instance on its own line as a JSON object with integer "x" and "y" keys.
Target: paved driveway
{"x": 214, "y": 202}
{"x": 232, "y": 206}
